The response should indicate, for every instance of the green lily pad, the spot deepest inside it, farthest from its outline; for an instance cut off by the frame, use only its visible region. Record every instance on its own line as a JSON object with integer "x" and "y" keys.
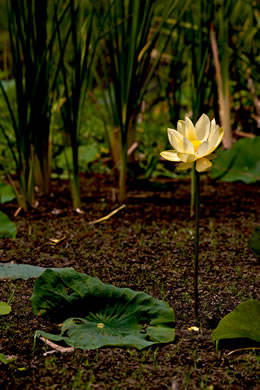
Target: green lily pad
{"x": 240, "y": 163}
{"x": 254, "y": 241}
{"x": 6, "y": 193}
{"x": 241, "y": 323}
{"x": 4, "y": 308}
{"x": 7, "y": 227}
{"x": 22, "y": 271}
{"x": 97, "y": 315}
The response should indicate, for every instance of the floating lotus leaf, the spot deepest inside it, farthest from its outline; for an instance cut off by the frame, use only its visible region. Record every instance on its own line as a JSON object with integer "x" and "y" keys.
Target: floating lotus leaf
{"x": 95, "y": 315}
{"x": 240, "y": 163}
{"x": 22, "y": 271}
{"x": 241, "y": 323}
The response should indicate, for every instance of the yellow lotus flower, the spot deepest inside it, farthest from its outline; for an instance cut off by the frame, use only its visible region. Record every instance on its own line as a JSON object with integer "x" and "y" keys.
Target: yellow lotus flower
{"x": 194, "y": 143}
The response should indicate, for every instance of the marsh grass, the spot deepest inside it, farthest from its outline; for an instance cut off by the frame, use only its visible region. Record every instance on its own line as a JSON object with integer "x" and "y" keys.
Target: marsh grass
{"x": 34, "y": 71}
{"x": 164, "y": 50}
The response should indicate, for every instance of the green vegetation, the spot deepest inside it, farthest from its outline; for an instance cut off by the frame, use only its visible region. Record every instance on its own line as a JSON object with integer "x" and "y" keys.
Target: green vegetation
{"x": 87, "y": 92}
{"x": 7, "y": 227}
{"x": 4, "y": 308}
{"x": 94, "y": 81}
{"x": 242, "y": 323}
{"x": 97, "y": 315}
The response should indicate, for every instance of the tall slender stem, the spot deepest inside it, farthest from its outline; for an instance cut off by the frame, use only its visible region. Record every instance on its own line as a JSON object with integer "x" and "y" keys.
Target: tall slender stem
{"x": 193, "y": 191}
{"x": 196, "y": 257}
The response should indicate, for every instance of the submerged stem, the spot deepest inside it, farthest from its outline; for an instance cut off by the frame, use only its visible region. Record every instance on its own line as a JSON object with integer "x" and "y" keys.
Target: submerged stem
{"x": 196, "y": 248}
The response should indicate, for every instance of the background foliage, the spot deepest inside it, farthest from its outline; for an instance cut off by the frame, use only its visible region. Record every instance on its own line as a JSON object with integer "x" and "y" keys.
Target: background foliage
{"x": 199, "y": 58}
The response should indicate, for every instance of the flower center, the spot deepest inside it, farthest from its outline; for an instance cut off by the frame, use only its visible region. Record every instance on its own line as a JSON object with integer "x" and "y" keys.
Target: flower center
{"x": 100, "y": 325}
{"x": 196, "y": 143}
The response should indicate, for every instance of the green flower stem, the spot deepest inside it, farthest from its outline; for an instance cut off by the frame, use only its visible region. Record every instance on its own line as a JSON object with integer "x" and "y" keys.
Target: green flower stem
{"x": 196, "y": 257}
{"x": 193, "y": 190}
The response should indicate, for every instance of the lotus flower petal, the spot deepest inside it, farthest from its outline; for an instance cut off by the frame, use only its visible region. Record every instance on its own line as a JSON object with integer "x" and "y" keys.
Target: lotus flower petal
{"x": 213, "y": 130}
{"x": 213, "y": 125}
{"x": 190, "y": 129}
{"x": 181, "y": 127}
{"x": 187, "y": 146}
{"x": 221, "y": 133}
{"x": 203, "y": 164}
{"x": 202, "y": 149}
{"x": 170, "y": 155}
{"x": 215, "y": 139}
{"x": 176, "y": 140}
{"x": 202, "y": 128}
{"x": 186, "y": 157}
{"x": 183, "y": 166}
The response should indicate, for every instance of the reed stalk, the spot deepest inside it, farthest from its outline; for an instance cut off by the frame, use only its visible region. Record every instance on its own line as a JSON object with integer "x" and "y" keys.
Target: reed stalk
{"x": 77, "y": 43}
{"x": 34, "y": 69}
{"x": 131, "y": 34}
